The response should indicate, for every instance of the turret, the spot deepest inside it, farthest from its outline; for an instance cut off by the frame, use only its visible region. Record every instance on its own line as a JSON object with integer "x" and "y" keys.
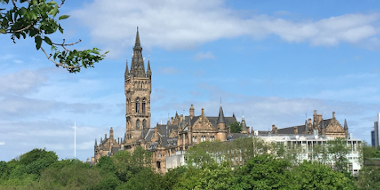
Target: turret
{"x": 221, "y": 125}
{"x": 191, "y": 111}
{"x": 243, "y": 125}
{"x": 111, "y": 133}
{"x": 221, "y": 122}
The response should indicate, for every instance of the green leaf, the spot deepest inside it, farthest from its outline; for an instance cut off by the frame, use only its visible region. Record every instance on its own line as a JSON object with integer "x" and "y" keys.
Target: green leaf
{"x": 38, "y": 41}
{"x": 22, "y": 11}
{"x": 63, "y": 17}
{"x": 47, "y": 40}
{"x": 60, "y": 29}
{"x": 54, "y": 11}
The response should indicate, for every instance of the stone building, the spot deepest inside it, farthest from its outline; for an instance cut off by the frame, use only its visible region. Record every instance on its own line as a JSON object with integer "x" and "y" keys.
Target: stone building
{"x": 176, "y": 136}
{"x": 327, "y": 127}
{"x": 184, "y": 131}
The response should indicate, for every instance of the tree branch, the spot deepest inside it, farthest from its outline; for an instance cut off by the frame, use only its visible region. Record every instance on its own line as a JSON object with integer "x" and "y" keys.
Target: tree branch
{"x": 59, "y": 64}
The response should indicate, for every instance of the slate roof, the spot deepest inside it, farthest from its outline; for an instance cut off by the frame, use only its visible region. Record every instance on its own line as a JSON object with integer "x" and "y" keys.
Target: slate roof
{"x": 301, "y": 128}
{"x": 149, "y": 135}
{"x": 234, "y": 136}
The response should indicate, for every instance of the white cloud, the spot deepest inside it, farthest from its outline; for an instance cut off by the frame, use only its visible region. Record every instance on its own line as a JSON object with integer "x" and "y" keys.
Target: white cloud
{"x": 204, "y": 55}
{"x": 2, "y": 143}
{"x": 21, "y": 82}
{"x": 186, "y": 24}
{"x": 168, "y": 70}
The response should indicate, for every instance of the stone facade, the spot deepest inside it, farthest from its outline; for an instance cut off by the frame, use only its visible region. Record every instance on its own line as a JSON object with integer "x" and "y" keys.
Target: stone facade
{"x": 183, "y": 131}
{"x": 327, "y": 127}
{"x": 176, "y": 136}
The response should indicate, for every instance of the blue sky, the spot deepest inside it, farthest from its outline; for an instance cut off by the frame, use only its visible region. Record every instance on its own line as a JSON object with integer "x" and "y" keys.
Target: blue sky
{"x": 275, "y": 61}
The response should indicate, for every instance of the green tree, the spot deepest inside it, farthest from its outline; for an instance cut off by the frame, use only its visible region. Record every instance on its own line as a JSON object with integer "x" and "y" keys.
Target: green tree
{"x": 337, "y": 151}
{"x": 312, "y": 175}
{"x": 37, "y": 19}
{"x": 235, "y": 127}
{"x": 369, "y": 178}
{"x": 263, "y": 172}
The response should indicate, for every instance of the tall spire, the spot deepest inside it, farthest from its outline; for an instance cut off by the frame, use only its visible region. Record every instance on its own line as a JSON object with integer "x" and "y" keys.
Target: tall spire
{"x": 221, "y": 116}
{"x": 137, "y": 67}
{"x": 96, "y": 143}
{"x": 137, "y": 42}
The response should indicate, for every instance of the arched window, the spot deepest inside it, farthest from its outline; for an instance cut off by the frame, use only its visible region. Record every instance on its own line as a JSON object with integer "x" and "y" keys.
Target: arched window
{"x": 143, "y": 106}
{"x": 137, "y": 106}
{"x": 144, "y": 124}
{"x": 138, "y": 124}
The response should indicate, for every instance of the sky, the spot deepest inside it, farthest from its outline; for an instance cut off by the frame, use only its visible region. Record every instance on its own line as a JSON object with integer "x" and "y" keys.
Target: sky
{"x": 273, "y": 62}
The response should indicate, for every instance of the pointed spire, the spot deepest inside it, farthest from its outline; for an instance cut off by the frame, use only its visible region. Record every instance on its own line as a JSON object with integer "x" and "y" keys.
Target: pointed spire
{"x": 149, "y": 72}
{"x": 221, "y": 116}
{"x": 306, "y": 128}
{"x": 345, "y": 125}
{"x": 96, "y": 142}
{"x": 126, "y": 73}
{"x": 137, "y": 66}
{"x": 137, "y": 42}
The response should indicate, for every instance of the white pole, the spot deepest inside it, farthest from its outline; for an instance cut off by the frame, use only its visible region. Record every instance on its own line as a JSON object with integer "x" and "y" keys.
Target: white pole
{"x": 75, "y": 140}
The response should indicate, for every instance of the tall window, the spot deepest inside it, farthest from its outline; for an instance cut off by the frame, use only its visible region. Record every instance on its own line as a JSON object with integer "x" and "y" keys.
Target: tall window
{"x": 138, "y": 124}
{"x": 137, "y": 106}
{"x": 143, "y": 106}
{"x": 144, "y": 124}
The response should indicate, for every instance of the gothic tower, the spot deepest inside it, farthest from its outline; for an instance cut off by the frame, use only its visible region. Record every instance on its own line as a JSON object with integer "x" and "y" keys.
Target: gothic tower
{"x": 138, "y": 88}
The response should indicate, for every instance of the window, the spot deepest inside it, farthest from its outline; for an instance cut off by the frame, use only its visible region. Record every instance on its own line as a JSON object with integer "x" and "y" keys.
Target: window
{"x": 194, "y": 139}
{"x": 203, "y": 138}
{"x": 144, "y": 124}
{"x": 137, "y": 106}
{"x": 143, "y": 106}
{"x": 212, "y": 138}
{"x": 138, "y": 124}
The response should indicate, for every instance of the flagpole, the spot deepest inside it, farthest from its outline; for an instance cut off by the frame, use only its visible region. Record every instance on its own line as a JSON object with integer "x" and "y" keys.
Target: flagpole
{"x": 75, "y": 140}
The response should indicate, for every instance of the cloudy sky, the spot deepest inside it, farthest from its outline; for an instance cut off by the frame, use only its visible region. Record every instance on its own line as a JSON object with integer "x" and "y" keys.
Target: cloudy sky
{"x": 273, "y": 61}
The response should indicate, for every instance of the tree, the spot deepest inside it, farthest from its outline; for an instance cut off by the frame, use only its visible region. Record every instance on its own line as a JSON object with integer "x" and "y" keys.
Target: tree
{"x": 37, "y": 19}
{"x": 312, "y": 175}
{"x": 263, "y": 172}
{"x": 337, "y": 151}
{"x": 235, "y": 127}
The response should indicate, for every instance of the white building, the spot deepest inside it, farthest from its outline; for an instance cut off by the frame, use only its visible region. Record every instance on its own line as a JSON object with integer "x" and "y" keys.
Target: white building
{"x": 303, "y": 141}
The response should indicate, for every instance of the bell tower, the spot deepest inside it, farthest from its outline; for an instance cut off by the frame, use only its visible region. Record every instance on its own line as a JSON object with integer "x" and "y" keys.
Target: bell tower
{"x": 138, "y": 88}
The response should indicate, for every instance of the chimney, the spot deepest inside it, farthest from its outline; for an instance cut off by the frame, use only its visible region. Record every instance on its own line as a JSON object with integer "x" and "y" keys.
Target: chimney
{"x": 309, "y": 120}
{"x": 295, "y": 130}
{"x": 191, "y": 111}
{"x": 203, "y": 111}
{"x": 105, "y": 136}
{"x": 333, "y": 114}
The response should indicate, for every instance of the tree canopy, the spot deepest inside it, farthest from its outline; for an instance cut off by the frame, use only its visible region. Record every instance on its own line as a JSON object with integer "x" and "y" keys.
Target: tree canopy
{"x": 38, "y": 19}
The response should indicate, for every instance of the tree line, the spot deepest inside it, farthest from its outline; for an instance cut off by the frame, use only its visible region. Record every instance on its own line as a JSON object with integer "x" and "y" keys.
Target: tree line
{"x": 210, "y": 165}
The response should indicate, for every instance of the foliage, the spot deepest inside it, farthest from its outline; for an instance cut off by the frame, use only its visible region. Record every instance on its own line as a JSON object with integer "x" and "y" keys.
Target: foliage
{"x": 369, "y": 178}
{"x": 235, "y": 127}
{"x": 370, "y": 152}
{"x": 263, "y": 172}
{"x": 338, "y": 150}
{"x": 312, "y": 175}
{"x": 38, "y": 20}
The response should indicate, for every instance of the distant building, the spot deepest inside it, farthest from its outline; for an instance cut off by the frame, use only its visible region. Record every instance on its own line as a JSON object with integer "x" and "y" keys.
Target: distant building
{"x": 373, "y": 138}
{"x": 167, "y": 141}
{"x": 375, "y": 134}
